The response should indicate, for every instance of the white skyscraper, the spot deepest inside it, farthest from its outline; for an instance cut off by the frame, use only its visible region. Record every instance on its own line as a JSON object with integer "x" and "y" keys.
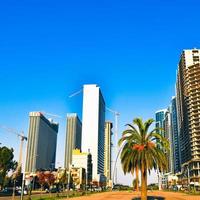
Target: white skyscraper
{"x": 93, "y": 127}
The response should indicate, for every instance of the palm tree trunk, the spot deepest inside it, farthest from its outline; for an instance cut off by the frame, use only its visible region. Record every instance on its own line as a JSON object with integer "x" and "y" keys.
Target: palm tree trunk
{"x": 137, "y": 178}
{"x": 144, "y": 183}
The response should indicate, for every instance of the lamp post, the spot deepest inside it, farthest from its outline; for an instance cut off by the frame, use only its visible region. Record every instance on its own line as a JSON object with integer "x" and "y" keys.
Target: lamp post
{"x": 23, "y": 182}
{"x": 86, "y": 181}
{"x": 68, "y": 180}
{"x": 188, "y": 176}
{"x": 115, "y": 165}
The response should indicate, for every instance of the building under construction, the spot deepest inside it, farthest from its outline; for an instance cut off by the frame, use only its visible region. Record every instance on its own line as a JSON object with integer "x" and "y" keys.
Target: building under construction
{"x": 188, "y": 107}
{"x": 42, "y": 140}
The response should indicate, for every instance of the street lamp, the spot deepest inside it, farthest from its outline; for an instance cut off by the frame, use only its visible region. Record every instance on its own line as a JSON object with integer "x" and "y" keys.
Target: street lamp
{"x": 68, "y": 180}
{"x": 188, "y": 176}
{"x": 115, "y": 166}
{"x": 86, "y": 181}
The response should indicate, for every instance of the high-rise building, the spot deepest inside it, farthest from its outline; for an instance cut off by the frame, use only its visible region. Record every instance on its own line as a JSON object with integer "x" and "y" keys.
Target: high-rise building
{"x": 188, "y": 108}
{"x": 83, "y": 160}
{"x": 73, "y": 137}
{"x": 160, "y": 116}
{"x": 107, "y": 150}
{"x": 42, "y": 140}
{"x": 175, "y": 137}
{"x": 168, "y": 136}
{"x": 93, "y": 127}
{"x": 163, "y": 122}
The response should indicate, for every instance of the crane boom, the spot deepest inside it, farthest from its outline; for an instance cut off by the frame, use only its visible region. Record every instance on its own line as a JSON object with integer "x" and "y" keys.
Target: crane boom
{"x": 50, "y": 114}
{"x": 75, "y": 93}
{"x": 11, "y": 130}
{"x": 22, "y": 138}
{"x": 112, "y": 111}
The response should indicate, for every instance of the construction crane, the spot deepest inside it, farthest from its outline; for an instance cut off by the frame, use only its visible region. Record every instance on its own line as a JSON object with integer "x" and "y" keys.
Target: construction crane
{"x": 22, "y": 139}
{"x": 116, "y": 114}
{"x": 50, "y": 114}
{"x": 76, "y": 93}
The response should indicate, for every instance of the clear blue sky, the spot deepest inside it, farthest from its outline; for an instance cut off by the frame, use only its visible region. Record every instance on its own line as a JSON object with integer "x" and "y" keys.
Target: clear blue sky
{"x": 49, "y": 49}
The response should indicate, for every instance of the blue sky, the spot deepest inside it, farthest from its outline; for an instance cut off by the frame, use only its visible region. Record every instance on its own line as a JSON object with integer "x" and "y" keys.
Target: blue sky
{"x": 49, "y": 49}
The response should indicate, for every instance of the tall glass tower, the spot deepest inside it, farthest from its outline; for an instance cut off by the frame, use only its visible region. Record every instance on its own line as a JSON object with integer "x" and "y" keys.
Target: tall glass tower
{"x": 160, "y": 117}
{"x": 93, "y": 127}
{"x": 175, "y": 136}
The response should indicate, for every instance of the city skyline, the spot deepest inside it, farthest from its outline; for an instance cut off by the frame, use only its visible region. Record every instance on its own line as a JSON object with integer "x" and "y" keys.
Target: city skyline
{"x": 57, "y": 116}
{"x": 131, "y": 54}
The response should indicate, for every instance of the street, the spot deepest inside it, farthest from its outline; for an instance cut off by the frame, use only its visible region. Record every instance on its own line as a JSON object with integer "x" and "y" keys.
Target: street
{"x": 124, "y": 195}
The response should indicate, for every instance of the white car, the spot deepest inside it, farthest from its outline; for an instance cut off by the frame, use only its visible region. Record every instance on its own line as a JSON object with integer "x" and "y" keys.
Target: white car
{"x": 98, "y": 189}
{"x": 25, "y": 192}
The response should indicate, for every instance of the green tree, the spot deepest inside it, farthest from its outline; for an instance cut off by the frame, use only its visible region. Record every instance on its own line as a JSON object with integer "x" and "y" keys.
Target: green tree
{"x": 143, "y": 149}
{"x": 6, "y": 163}
{"x": 62, "y": 177}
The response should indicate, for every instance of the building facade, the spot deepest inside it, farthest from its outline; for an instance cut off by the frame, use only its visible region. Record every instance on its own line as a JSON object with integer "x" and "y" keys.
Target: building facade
{"x": 160, "y": 116}
{"x": 42, "y": 141}
{"x": 83, "y": 160}
{"x": 188, "y": 107}
{"x": 175, "y": 137}
{"x": 107, "y": 151}
{"x": 93, "y": 127}
{"x": 168, "y": 136}
{"x": 78, "y": 176}
{"x": 163, "y": 121}
{"x": 73, "y": 137}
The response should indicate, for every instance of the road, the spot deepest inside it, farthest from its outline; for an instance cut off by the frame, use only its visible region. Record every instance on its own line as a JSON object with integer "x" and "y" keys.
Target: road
{"x": 129, "y": 195}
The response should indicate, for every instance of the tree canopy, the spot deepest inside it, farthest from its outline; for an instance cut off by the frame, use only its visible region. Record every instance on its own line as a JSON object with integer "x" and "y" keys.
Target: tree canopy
{"x": 6, "y": 163}
{"x": 144, "y": 150}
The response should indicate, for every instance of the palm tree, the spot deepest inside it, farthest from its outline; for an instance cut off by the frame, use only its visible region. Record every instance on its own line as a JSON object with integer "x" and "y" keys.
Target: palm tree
{"x": 144, "y": 150}
{"x": 126, "y": 161}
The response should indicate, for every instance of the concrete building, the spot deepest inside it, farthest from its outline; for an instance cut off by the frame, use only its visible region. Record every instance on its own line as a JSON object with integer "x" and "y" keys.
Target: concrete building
{"x": 188, "y": 107}
{"x": 42, "y": 140}
{"x": 93, "y": 127}
{"x": 83, "y": 160}
{"x": 73, "y": 137}
{"x": 107, "y": 151}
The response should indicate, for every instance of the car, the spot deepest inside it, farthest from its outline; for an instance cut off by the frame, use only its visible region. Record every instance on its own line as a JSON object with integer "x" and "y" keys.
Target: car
{"x": 97, "y": 189}
{"x": 52, "y": 190}
{"x": 20, "y": 191}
